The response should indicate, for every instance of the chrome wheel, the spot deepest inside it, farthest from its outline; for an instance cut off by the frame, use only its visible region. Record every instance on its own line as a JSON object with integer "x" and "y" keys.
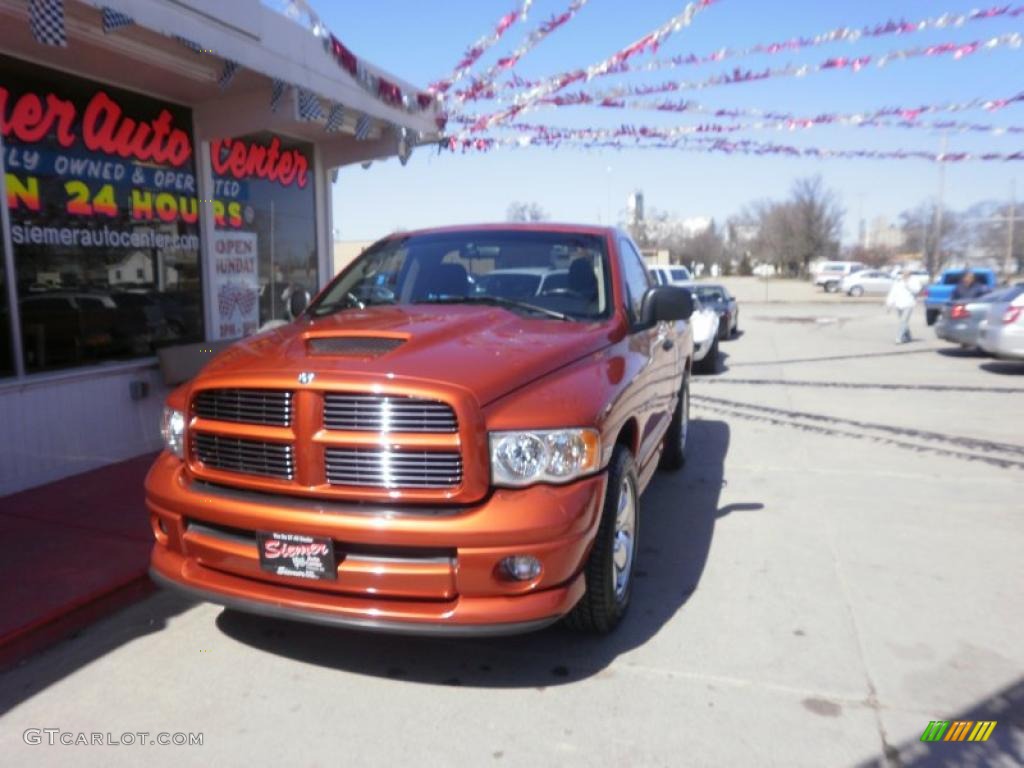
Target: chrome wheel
{"x": 625, "y": 537}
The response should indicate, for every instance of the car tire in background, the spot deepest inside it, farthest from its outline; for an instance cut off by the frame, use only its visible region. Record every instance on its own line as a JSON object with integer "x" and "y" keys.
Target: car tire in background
{"x": 608, "y": 571}
{"x": 710, "y": 362}
{"x": 856, "y": 291}
{"x": 931, "y": 315}
{"x": 673, "y": 454}
{"x": 831, "y": 286}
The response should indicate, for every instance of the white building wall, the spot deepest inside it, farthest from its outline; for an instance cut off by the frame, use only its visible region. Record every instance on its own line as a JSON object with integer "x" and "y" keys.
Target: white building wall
{"x": 53, "y": 428}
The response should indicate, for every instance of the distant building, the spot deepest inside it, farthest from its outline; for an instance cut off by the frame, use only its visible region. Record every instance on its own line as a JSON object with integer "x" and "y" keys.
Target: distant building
{"x": 884, "y": 234}
{"x": 635, "y": 207}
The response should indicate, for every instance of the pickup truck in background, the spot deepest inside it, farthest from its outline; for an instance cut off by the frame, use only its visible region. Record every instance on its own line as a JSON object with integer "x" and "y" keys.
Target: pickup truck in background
{"x": 940, "y": 292}
{"x": 419, "y": 452}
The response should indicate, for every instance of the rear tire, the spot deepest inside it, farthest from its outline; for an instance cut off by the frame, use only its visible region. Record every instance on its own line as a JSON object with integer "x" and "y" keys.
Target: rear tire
{"x": 831, "y": 286}
{"x": 673, "y": 453}
{"x": 609, "y": 568}
{"x": 930, "y": 316}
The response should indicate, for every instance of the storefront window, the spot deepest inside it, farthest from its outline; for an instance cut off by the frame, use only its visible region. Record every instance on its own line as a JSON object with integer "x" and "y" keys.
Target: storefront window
{"x": 6, "y": 347}
{"x": 265, "y": 243}
{"x": 104, "y": 218}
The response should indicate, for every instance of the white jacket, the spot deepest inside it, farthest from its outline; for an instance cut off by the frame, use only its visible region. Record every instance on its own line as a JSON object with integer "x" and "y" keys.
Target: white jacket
{"x": 903, "y": 294}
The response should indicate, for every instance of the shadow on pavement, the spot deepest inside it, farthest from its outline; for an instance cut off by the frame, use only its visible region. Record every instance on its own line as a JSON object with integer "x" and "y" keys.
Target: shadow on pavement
{"x": 961, "y": 352}
{"x": 677, "y": 525}
{"x": 1003, "y": 747}
{"x": 37, "y": 673}
{"x": 1004, "y": 367}
{"x": 864, "y": 355}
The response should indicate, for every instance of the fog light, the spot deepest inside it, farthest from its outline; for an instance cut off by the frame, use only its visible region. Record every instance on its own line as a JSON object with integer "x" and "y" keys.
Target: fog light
{"x": 521, "y": 567}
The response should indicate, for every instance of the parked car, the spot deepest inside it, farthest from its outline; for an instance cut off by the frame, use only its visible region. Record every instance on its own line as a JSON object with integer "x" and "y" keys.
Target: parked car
{"x": 830, "y": 273}
{"x": 705, "y": 323}
{"x": 717, "y": 297}
{"x": 1002, "y": 333}
{"x": 866, "y": 281}
{"x": 961, "y": 321}
{"x": 443, "y": 461}
{"x": 941, "y": 292}
{"x": 670, "y": 275}
{"x": 524, "y": 282}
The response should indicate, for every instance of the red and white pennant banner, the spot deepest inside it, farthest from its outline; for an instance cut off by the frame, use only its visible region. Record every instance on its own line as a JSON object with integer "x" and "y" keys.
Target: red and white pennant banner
{"x": 793, "y": 45}
{"x": 486, "y": 81}
{"x": 744, "y": 146}
{"x": 649, "y": 43}
{"x": 481, "y": 46}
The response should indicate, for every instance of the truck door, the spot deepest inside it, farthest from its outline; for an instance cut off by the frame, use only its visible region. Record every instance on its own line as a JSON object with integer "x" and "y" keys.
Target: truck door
{"x": 655, "y": 356}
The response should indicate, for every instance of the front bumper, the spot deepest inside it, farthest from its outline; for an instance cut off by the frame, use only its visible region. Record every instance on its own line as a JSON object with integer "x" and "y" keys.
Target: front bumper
{"x": 410, "y": 570}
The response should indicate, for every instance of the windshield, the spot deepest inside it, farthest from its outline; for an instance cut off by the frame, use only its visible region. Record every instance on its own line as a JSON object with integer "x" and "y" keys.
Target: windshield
{"x": 542, "y": 273}
{"x": 710, "y": 293}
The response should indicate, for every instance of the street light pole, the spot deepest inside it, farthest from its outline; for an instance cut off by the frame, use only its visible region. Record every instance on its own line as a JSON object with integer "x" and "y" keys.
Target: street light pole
{"x": 1009, "y": 267}
{"x": 934, "y": 266}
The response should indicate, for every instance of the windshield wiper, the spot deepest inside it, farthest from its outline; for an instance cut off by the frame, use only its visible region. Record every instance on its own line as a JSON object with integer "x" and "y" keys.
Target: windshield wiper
{"x": 348, "y": 302}
{"x": 498, "y": 301}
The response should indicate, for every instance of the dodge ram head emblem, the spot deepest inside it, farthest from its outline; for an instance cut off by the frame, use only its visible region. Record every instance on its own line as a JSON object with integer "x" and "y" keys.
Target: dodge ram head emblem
{"x": 306, "y": 377}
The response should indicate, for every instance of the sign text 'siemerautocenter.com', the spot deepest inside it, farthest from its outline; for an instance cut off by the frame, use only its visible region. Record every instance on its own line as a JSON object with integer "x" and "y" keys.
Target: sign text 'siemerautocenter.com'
{"x": 57, "y": 736}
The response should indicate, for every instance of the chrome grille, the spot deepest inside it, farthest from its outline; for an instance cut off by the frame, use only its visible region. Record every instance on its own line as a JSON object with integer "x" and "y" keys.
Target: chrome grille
{"x": 380, "y": 413}
{"x": 271, "y": 407}
{"x": 252, "y": 457}
{"x": 393, "y": 469}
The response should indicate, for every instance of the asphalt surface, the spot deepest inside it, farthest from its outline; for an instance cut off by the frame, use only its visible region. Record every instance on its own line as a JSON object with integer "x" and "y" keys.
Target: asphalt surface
{"x": 838, "y": 565}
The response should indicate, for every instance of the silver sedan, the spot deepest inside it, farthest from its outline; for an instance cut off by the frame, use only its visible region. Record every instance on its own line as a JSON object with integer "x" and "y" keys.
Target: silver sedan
{"x": 1002, "y": 333}
{"x": 961, "y": 321}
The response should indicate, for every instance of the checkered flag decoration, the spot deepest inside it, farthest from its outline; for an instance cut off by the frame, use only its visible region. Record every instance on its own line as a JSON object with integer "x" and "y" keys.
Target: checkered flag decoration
{"x": 309, "y": 105}
{"x": 276, "y": 94}
{"x": 227, "y": 74}
{"x": 335, "y": 118}
{"x": 363, "y": 125}
{"x": 192, "y": 45}
{"x": 114, "y": 20}
{"x": 46, "y": 20}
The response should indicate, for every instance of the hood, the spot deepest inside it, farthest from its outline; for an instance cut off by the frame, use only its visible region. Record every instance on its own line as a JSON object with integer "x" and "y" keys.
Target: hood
{"x": 486, "y": 350}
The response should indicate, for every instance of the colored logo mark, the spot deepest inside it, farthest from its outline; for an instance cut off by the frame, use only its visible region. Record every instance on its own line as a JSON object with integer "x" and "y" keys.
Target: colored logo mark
{"x": 958, "y": 730}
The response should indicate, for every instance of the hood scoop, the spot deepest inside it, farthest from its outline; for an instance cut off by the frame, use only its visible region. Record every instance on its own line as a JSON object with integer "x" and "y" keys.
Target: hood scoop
{"x": 353, "y": 346}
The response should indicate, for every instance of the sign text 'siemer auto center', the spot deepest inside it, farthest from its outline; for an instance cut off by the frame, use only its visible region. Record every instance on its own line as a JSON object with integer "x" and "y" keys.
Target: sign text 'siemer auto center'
{"x": 167, "y": 172}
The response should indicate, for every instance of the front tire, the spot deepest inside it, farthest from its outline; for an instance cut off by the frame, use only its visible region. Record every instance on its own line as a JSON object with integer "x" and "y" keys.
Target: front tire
{"x": 609, "y": 569}
{"x": 856, "y": 291}
{"x": 710, "y": 362}
{"x": 673, "y": 452}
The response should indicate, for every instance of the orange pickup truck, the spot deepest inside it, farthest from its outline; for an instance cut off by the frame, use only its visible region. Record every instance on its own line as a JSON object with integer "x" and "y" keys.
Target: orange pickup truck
{"x": 452, "y": 438}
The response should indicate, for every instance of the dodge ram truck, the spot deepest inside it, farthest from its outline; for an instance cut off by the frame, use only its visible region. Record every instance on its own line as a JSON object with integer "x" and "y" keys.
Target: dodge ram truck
{"x": 420, "y": 452}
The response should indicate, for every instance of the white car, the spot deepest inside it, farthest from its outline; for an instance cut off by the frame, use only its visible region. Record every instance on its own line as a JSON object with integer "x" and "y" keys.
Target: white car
{"x": 867, "y": 281}
{"x": 670, "y": 275}
{"x": 829, "y": 273}
{"x": 704, "y": 323}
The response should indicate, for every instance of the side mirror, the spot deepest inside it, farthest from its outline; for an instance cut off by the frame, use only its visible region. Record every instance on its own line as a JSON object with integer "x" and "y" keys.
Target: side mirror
{"x": 298, "y": 302}
{"x": 666, "y": 303}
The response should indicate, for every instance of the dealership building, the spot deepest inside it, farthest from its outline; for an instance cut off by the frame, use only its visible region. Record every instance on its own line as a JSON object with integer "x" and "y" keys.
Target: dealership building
{"x": 167, "y": 168}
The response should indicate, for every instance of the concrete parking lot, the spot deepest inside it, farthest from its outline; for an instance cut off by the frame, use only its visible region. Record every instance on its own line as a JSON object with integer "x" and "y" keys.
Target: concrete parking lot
{"x": 838, "y": 565}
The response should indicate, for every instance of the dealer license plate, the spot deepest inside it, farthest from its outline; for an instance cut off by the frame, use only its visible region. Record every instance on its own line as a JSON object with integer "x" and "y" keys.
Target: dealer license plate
{"x": 293, "y": 554}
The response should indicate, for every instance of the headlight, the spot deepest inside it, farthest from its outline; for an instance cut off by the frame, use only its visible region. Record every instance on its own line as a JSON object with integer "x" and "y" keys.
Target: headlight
{"x": 538, "y": 456}
{"x": 172, "y": 429}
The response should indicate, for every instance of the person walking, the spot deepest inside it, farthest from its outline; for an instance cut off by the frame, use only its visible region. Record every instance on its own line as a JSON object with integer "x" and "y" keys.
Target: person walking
{"x": 902, "y": 297}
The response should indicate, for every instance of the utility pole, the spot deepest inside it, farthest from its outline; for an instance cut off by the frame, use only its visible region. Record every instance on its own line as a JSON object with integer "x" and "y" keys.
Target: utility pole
{"x": 935, "y": 261}
{"x": 1010, "y": 267}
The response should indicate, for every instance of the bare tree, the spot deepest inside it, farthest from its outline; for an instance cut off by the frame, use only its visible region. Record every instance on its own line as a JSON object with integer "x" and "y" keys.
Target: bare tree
{"x": 919, "y": 234}
{"x": 526, "y": 212}
{"x": 805, "y": 227}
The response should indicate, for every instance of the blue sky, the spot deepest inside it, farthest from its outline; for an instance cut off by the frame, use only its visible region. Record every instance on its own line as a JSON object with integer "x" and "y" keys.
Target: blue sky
{"x": 421, "y": 42}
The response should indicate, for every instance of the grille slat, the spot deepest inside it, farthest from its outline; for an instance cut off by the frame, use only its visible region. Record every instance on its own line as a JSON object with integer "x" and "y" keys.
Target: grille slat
{"x": 268, "y": 407}
{"x": 381, "y": 413}
{"x": 393, "y": 469}
{"x": 252, "y": 457}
